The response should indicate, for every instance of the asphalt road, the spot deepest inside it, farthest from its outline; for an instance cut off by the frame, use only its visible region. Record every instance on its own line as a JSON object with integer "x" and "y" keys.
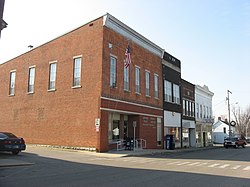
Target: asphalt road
{"x": 49, "y": 167}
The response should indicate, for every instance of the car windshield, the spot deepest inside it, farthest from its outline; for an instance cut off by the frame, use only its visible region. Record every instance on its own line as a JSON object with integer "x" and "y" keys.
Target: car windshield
{"x": 3, "y": 136}
{"x": 7, "y": 135}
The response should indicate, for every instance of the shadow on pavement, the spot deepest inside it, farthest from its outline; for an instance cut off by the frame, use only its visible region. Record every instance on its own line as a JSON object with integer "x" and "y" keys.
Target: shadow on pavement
{"x": 55, "y": 172}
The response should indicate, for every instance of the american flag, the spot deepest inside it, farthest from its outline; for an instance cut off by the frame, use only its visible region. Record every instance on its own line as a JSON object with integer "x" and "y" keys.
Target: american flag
{"x": 127, "y": 57}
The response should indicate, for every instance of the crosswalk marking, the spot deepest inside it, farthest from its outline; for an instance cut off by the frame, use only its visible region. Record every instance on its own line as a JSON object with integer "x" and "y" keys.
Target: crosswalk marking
{"x": 202, "y": 164}
{"x": 213, "y": 165}
{"x": 195, "y": 163}
{"x": 247, "y": 168}
{"x": 236, "y": 167}
{"x": 224, "y": 166}
{"x": 183, "y": 163}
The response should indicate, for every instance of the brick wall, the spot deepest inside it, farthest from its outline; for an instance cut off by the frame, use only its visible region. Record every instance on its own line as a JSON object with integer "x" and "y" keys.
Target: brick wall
{"x": 65, "y": 116}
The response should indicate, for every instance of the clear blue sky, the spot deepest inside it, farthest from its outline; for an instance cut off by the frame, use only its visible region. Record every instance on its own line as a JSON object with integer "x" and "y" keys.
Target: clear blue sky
{"x": 210, "y": 37}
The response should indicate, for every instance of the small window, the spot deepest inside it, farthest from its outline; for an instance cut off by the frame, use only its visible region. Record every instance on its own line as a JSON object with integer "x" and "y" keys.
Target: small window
{"x": 31, "y": 80}
{"x": 168, "y": 91}
{"x": 77, "y": 72}
{"x": 147, "y": 77}
{"x": 112, "y": 72}
{"x": 176, "y": 92}
{"x": 225, "y": 130}
{"x": 52, "y": 76}
{"x": 126, "y": 78}
{"x": 137, "y": 79}
{"x": 12, "y": 83}
{"x": 156, "y": 89}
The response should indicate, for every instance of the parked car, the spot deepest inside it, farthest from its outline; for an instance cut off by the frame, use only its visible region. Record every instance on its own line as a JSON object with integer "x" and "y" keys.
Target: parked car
{"x": 234, "y": 142}
{"x": 10, "y": 143}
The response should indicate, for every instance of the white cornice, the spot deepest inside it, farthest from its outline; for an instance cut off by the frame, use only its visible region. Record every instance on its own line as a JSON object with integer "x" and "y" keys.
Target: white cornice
{"x": 166, "y": 63}
{"x": 119, "y": 27}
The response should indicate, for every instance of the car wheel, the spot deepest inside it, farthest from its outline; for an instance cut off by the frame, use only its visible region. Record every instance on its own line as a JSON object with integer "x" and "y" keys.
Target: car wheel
{"x": 15, "y": 152}
{"x": 243, "y": 146}
{"x": 226, "y": 147}
{"x": 235, "y": 146}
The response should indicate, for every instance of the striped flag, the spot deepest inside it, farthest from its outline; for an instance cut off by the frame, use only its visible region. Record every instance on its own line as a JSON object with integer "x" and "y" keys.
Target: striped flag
{"x": 127, "y": 57}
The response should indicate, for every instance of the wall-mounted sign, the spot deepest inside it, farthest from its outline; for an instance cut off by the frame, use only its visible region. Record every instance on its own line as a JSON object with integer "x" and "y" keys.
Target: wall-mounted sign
{"x": 97, "y": 122}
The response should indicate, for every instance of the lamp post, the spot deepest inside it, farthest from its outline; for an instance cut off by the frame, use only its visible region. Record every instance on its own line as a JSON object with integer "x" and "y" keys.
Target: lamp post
{"x": 228, "y": 102}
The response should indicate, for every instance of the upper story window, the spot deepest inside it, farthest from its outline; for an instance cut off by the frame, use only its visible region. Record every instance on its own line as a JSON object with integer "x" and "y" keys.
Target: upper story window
{"x": 193, "y": 109}
{"x": 147, "y": 77}
{"x": 126, "y": 78}
{"x": 176, "y": 92}
{"x": 12, "y": 83}
{"x": 52, "y": 76}
{"x": 31, "y": 80}
{"x": 156, "y": 89}
{"x": 77, "y": 72}
{"x": 137, "y": 79}
{"x": 168, "y": 91}
{"x": 200, "y": 111}
{"x": 184, "y": 107}
{"x": 197, "y": 108}
{"x": 112, "y": 82}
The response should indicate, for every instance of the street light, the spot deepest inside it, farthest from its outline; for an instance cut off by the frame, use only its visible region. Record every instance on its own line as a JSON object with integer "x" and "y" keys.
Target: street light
{"x": 228, "y": 102}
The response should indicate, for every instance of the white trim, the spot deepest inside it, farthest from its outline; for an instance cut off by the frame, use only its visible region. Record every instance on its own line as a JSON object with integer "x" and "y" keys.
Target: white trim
{"x": 14, "y": 70}
{"x": 121, "y": 28}
{"x": 112, "y": 55}
{"x": 127, "y": 102}
{"x": 78, "y": 56}
{"x": 128, "y": 112}
{"x": 33, "y": 66}
{"x": 53, "y": 62}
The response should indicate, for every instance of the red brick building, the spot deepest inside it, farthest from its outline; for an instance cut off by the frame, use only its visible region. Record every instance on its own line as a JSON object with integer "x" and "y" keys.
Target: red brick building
{"x": 75, "y": 91}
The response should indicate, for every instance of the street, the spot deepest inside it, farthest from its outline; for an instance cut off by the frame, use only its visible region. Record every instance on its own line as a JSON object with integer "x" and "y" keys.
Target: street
{"x": 54, "y": 167}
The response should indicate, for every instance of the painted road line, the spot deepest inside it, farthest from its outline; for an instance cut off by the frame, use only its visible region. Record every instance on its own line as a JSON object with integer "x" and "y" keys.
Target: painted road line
{"x": 183, "y": 163}
{"x": 213, "y": 165}
{"x": 246, "y": 168}
{"x": 202, "y": 164}
{"x": 224, "y": 166}
{"x": 171, "y": 163}
{"x": 193, "y": 164}
{"x": 236, "y": 167}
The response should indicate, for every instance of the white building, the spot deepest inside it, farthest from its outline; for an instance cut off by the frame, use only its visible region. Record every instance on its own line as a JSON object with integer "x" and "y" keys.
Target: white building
{"x": 221, "y": 131}
{"x": 203, "y": 116}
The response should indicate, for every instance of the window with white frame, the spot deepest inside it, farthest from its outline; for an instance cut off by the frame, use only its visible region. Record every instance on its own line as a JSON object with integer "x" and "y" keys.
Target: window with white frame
{"x": 147, "y": 77}
{"x": 190, "y": 108}
{"x": 197, "y": 108}
{"x": 176, "y": 92}
{"x": 184, "y": 107}
{"x": 156, "y": 81}
{"x": 77, "y": 71}
{"x": 126, "y": 78}
{"x": 112, "y": 82}
{"x": 31, "y": 79}
{"x": 52, "y": 76}
{"x": 137, "y": 79}
{"x": 168, "y": 91}
{"x": 193, "y": 108}
{"x": 12, "y": 83}
{"x": 200, "y": 111}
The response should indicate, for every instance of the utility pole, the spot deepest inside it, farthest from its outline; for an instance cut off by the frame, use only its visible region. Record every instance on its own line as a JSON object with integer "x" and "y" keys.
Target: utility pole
{"x": 228, "y": 102}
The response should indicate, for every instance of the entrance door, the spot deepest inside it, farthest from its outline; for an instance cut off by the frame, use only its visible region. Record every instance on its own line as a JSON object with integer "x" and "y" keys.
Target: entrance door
{"x": 204, "y": 139}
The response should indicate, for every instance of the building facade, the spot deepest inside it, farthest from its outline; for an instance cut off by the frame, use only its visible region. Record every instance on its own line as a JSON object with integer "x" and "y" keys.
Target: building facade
{"x": 75, "y": 90}
{"x": 171, "y": 72}
{"x": 188, "y": 114}
{"x": 203, "y": 116}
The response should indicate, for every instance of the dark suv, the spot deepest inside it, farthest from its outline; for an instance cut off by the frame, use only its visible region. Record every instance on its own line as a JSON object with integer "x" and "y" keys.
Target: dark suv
{"x": 234, "y": 142}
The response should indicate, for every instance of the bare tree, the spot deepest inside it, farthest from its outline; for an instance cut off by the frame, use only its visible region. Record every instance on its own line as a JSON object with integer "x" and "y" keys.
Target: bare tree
{"x": 242, "y": 118}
